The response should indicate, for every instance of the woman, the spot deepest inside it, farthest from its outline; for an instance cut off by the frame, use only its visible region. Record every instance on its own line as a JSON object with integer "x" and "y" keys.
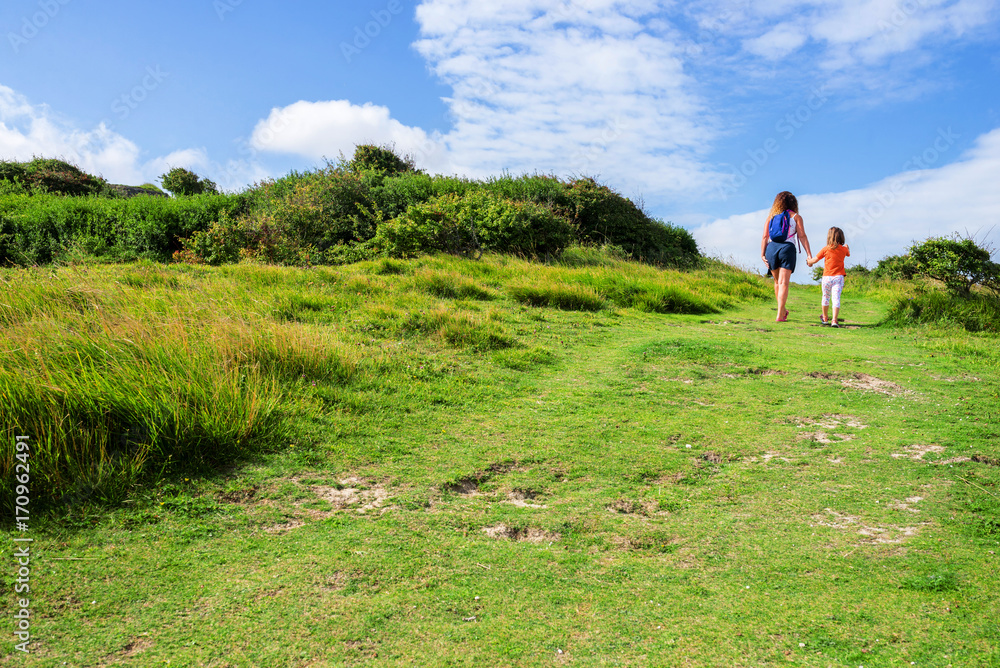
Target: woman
{"x": 780, "y": 256}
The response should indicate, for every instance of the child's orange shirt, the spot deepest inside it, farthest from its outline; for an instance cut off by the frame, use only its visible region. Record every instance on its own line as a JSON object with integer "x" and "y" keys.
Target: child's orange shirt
{"x": 834, "y": 265}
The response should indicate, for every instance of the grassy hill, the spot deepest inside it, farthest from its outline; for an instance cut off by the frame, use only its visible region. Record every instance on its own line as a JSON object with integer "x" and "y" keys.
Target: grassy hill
{"x": 442, "y": 461}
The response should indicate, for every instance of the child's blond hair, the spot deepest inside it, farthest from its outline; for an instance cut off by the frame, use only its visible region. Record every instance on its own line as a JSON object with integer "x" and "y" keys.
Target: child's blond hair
{"x": 835, "y": 237}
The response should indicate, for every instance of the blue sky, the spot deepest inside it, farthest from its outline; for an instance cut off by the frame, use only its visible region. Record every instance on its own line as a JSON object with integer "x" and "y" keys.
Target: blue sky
{"x": 883, "y": 116}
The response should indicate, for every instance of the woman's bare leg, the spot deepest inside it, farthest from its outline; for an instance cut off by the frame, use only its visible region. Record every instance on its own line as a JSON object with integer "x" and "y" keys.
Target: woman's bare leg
{"x": 781, "y": 282}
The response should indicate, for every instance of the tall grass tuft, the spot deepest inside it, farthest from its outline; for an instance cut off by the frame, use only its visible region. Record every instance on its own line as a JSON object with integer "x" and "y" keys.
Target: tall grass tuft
{"x": 450, "y": 285}
{"x": 461, "y": 330}
{"x": 567, "y": 297}
{"x": 978, "y": 312}
{"x": 114, "y": 384}
{"x": 107, "y": 401}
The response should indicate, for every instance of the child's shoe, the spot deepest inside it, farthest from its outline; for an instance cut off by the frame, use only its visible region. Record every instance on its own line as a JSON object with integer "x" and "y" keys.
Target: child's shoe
{"x": 834, "y": 324}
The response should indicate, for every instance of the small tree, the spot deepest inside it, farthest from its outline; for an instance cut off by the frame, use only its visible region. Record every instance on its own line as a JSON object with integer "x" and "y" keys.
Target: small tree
{"x": 382, "y": 159}
{"x": 957, "y": 262}
{"x": 182, "y": 181}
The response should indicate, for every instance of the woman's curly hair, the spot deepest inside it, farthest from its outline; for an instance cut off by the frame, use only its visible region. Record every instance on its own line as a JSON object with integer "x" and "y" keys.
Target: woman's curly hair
{"x": 783, "y": 202}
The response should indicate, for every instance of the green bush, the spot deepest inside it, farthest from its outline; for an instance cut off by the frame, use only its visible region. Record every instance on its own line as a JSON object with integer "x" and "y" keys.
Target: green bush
{"x": 474, "y": 223}
{"x": 855, "y": 272}
{"x": 222, "y": 242}
{"x": 536, "y": 188}
{"x": 896, "y": 267}
{"x": 184, "y": 182}
{"x": 960, "y": 263}
{"x": 380, "y": 159}
{"x": 290, "y": 221}
{"x": 49, "y": 175}
{"x": 42, "y": 228}
{"x": 602, "y": 216}
{"x": 394, "y": 195}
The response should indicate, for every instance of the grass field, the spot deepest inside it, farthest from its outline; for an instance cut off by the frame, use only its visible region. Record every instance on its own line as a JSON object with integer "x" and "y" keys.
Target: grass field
{"x": 453, "y": 463}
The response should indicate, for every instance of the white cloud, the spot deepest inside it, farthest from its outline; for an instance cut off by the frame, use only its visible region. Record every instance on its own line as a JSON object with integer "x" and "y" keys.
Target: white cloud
{"x": 569, "y": 88}
{"x": 885, "y": 217}
{"x": 849, "y": 33}
{"x": 778, "y": 42}
{"x": 28, "y": 131}
{"x": 325, "y": 129}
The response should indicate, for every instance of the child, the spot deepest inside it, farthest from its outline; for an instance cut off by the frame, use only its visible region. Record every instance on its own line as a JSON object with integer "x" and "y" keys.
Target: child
{"x": 833, "y": 271}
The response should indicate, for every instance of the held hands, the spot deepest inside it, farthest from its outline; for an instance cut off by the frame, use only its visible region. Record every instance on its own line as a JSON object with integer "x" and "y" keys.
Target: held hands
{"x": 811, "y": 261}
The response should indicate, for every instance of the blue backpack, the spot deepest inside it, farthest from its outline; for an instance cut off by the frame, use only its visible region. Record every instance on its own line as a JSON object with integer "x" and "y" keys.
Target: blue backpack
{"x": 780, "y": 226}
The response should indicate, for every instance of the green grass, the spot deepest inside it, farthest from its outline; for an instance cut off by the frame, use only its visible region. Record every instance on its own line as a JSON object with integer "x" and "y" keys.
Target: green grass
{"x": 977, "y": 312}
{"x": 461, "y": 477}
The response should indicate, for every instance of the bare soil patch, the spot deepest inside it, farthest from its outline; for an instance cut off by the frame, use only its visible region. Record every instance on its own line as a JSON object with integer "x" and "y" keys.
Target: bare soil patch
{"x": 464, "y": 487}
{"x": 350, "y": 494}
{"x": 469, "y": 485}
{"x": 356, "y": 498}
{"x": 832, "y": 421}
{"x": 878, "y": 535}
{"x": 862, "y": 381}
{"x": 768, "y": 456}
{"x": 947, "y": 379}
{"x": 917, "y": 452}
{"x": 136, "y": 646}
{"x": 634, "y": 507}
{"x": 908, "y": 504}
{"x": 284, "y": 526}
{"x": 526, "y": 534}
{"x": 824, "y": 438}
{"x": 756, "y": 372}
{"x": 624, "y": 506}
{"x": 523, "y": 498}
{"x": 335, "y": 581}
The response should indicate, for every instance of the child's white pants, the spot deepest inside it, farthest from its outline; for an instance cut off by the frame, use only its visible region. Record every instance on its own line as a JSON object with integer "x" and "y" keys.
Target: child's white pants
{"x": 832, "y": 287}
